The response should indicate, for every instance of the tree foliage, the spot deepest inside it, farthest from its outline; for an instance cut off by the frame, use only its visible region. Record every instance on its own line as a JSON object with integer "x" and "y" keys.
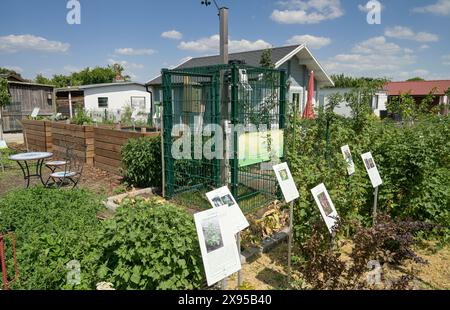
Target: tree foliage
{"x": 10, "y": 71}
{"x": 266, "y": 59}
{"x": 87, "y": 76}
{"x": 342, "y": 81}
{"x": 5, "y": 97}
{"x": 416, "y": 79}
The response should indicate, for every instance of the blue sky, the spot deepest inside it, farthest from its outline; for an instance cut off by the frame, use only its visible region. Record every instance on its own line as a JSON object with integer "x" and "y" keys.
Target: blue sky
{"x": 412, "y": 39}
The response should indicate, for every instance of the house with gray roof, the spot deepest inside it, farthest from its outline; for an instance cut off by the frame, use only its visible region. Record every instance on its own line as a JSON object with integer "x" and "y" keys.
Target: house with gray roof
{"x": 296, "y": 60}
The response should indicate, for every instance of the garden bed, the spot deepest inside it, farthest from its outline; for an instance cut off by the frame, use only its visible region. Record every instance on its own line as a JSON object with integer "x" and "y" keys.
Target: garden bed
{"x": 37, "y": 135}
{"x": 80, "y": 137}
{"x": 108, "y": 146}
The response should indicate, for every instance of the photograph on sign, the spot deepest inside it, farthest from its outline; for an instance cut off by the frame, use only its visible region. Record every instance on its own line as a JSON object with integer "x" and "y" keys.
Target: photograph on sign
{"x": 326, "y": 206}
{"x": 286, "y": 182}
{"x": 372, "y": 169}
{"x": 217, "y": 244}
{"x": 349, "y": 159}
{"x": 223, "y": 197}
{"x": 35, "y": 112}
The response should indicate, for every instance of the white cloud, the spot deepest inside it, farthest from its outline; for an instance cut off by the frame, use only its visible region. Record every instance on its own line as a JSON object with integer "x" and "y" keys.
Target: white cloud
{"x": 211, "y": 44}
{"x": 15, "y": 43}
{"x": 14, "y": 68}
{"x": 128, "y": 51}
{"x": 363, "y": 8}
{"x": 441, "y": 7}
{"x": 172, "y": 34}
{"x": 307, "y": 11}
{"x": 375, "y": 57}
{"x": 310, "y": 40}
{"x": 376, "y": 45}
{"x": 424, "y": 46}
{"x": 400, "y": 32}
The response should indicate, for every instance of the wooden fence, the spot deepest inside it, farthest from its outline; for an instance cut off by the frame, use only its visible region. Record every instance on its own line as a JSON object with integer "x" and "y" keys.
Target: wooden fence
{"x": 79, "y": 137}
{"x": 99, "y": 146}
{"x": 37, "y": 135}
{"x": 108, "y": 146}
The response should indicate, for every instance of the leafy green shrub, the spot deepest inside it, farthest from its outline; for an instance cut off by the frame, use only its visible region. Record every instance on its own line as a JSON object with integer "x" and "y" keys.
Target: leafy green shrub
{"x": 82, "y": 118}
{"x": 142, "y": 162}
{"x": 52, "y": 227}
{"x": 150, "y": 246}
{"x": 413, "y": 161}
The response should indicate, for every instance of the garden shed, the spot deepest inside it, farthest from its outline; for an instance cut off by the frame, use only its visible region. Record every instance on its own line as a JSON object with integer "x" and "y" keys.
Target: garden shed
{"x": 25, "y": 96}
{"x": 248, "y": 103}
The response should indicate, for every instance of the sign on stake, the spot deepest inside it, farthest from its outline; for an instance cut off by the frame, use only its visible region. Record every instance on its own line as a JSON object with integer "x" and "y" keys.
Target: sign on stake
{"x": 235, "y": 218}
{"x": 375, "y": 178}
{"x": 217, "y": 244}
{"x": 290, "y": 193}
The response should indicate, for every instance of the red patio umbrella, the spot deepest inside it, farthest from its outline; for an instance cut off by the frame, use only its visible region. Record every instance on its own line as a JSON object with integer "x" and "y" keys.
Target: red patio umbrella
{"x": 309, "y": 111}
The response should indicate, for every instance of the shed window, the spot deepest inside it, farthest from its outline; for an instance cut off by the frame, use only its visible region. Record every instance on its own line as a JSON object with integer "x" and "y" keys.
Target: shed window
{"x": 138, "y": 103}
{"x": 103, "y": 102}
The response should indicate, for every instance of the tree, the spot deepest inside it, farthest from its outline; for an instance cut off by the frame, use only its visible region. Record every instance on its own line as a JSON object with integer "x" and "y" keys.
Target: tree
{"x": 87, "y": 76}
{"x": 416, "y": 79}
{"x": 5, "y": 99}
{"x": 342, "y": 81}
{"x": 9, "y": 71}
{"x": 266, "y": 59}
{"x": 40, "y": 79}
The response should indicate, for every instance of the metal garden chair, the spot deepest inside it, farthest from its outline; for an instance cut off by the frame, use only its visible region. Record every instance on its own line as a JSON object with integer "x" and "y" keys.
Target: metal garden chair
{"x": 72, "y": 173}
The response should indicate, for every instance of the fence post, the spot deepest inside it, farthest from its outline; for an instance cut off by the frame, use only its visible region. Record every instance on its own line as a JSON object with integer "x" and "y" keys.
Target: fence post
{"x": 167, "y": 132}
{"x": 234, "y": 121}
{"x": 217, "y": 120}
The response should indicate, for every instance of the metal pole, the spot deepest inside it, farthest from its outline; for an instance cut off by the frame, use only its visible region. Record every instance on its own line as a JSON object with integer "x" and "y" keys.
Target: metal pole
{"x": 291, "y": 215}
{"x": 223, "y": 15}
{"x": 375, "y": 202}
{"x": 161, "y": 122}
{"x": 2, "y": 259}
{"x": 224, "y": 284}
{"x": 70, "y": 105}
{"x": 238, "y": 241}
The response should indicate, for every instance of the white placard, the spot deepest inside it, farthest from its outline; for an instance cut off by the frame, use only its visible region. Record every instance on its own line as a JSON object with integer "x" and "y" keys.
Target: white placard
{"x": 223, "y": 197}
{"x": 3, "y": 144}
{"x": 372, "y": 169}
{"x": 349, "y": 159}
{"x": 326, "y": 206}
{"x": 287, "y": 184}
{"x": 35, "y": 112}
{"x": 217, "y": 244}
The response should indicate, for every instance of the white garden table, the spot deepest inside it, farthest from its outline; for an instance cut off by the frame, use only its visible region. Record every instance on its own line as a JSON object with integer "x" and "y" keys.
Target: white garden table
{"x": 24, "y": 158}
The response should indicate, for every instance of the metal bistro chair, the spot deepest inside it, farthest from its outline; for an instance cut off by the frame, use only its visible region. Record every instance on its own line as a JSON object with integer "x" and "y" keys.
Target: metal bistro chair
{"x": 59, "y": 163}
{"x": 72, "y": 173}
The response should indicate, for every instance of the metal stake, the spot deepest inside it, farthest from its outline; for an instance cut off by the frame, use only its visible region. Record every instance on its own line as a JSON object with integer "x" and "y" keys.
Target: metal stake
{"x": 224, "y": 284}
{"x": 238, "y": 241}
{"x": 375, "y": 202}
{"x": 291, "y": 215}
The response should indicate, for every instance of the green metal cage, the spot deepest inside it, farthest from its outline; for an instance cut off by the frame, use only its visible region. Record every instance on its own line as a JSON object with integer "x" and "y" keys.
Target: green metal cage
{"x": 230, "y": 96}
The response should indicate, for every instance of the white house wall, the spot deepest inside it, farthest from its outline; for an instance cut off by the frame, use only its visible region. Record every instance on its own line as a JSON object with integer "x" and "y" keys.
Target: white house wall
{"x": 118, "y": 96}
{"x": 343, "y": 109}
